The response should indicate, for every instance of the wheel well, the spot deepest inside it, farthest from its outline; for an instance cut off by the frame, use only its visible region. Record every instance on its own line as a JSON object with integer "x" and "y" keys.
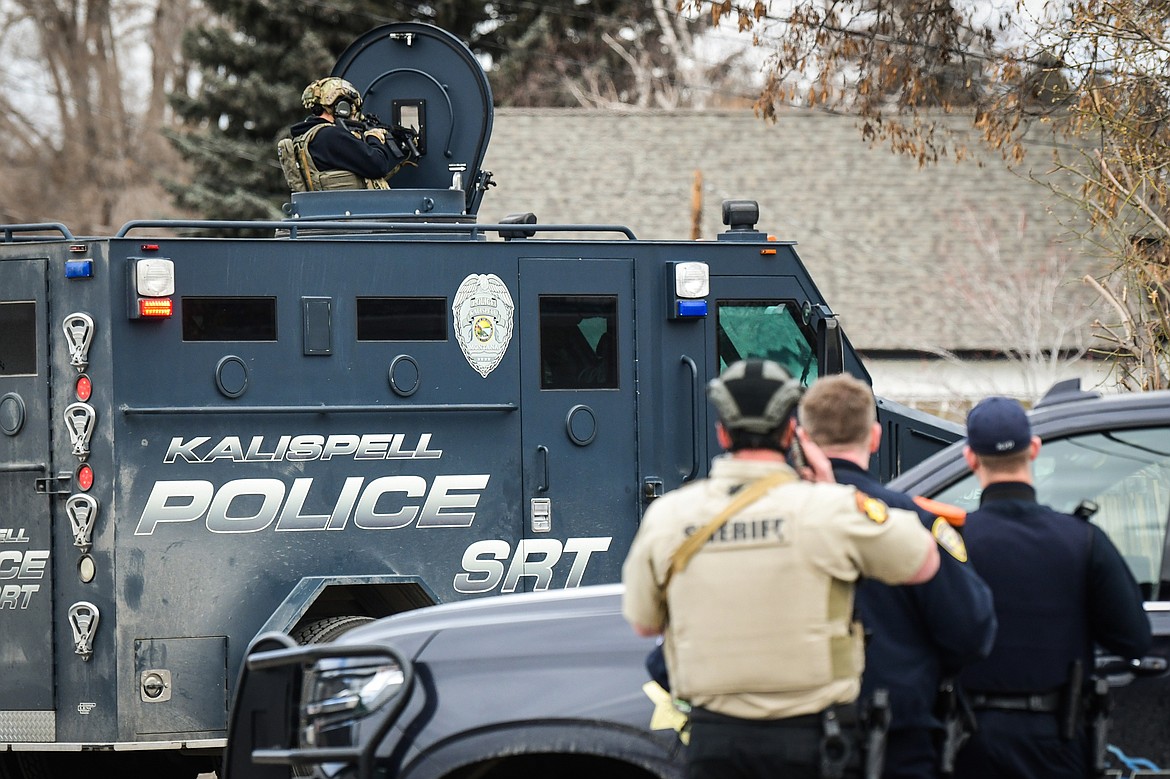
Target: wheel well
{"x": 562, "y": 766}
{"x": 363, "y": 600}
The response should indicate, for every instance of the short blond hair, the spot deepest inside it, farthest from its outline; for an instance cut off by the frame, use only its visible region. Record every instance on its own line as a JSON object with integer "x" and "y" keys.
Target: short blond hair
{"x": 838, "y": 410}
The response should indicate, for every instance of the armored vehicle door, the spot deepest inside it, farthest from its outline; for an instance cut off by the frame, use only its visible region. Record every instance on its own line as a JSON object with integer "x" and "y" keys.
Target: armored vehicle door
{"x": 26, "y": 495}
{"x": 578, "y": 432}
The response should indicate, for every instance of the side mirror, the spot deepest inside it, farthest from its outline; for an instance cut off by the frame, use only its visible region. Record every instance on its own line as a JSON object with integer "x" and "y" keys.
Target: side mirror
{"x": 830, "y": 347}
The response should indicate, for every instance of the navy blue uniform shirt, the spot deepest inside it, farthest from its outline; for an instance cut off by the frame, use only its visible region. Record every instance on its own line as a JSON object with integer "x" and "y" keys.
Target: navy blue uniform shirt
{"x": 1061, "y": 586}
{"x": 334, "y": 148}
{"x": 916, "y": 634}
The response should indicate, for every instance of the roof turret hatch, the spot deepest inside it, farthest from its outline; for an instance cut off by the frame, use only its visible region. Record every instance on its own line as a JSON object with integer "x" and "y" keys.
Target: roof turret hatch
{"x": 417, "y": 76}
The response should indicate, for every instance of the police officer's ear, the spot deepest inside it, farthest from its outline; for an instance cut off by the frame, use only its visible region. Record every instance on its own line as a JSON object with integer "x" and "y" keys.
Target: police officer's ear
{"x": 875, "y": 437}
{"x": 786, "y": 433}
{"x": 1033, "y": 448}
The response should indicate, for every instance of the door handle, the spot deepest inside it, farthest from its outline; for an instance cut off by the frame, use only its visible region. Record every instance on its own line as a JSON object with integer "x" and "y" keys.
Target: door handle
{"x": 542, "y": 453}
{"x": 694, "y": 369}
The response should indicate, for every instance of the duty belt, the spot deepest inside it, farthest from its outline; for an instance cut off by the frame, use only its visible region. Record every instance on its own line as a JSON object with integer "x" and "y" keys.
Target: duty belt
{"x": 1048, "y": 702}
{"x": 844, "y": 713}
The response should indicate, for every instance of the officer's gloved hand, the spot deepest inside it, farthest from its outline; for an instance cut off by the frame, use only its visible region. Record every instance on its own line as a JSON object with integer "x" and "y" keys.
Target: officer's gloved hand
{"x": 376, "y": 132}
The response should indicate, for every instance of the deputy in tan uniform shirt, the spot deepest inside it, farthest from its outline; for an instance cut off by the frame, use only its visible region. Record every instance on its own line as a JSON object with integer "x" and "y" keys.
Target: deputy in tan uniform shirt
{"x": 759, "y": 632}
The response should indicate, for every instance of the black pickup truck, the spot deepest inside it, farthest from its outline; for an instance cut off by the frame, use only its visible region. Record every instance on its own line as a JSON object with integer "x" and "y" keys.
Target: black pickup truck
{"x": 554, "y": 683}
{"x": 538, "y": 684}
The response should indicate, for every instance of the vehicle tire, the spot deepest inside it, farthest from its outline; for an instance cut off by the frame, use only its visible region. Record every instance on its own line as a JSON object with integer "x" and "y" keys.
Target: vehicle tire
{"x": 327, "y": 629}
{"x": 318, "y": 633}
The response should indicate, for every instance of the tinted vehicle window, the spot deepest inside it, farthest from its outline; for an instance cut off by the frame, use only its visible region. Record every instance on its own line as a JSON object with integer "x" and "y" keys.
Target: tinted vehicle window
{"x": 229, "y": 319}
{"x": 767, "y": 329}
{"x": 1125, "y": 472}
{"x": 18, "y": 338}
{"x": 578, "y": 342}
{"x": 402, "y": 319}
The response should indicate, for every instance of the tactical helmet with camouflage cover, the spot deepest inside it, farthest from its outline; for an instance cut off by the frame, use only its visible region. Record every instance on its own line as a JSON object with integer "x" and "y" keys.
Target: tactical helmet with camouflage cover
{"x": 325, "y": 92}
{"x": 756, "y": 396}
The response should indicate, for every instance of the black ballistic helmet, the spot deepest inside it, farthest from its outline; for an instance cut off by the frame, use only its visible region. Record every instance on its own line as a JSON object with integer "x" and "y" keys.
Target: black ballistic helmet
{"x": 757, "y": 396}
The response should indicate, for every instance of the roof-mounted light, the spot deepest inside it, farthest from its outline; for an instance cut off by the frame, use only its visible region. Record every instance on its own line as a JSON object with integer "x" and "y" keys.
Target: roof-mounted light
{"x": 152, "y": 282}
{"x": 692, "y": 280}
{"x": 155, "y": 278}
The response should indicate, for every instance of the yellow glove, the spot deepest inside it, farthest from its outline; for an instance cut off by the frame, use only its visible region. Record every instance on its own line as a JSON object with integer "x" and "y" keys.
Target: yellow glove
{"x": 377, "y": 132}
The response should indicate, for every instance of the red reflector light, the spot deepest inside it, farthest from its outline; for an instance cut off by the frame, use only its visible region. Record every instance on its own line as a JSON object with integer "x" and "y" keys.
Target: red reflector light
{"x": 157, "y": 307}
{"x": 84, "y": 387}
{"x": 150, "y": 247}
{"x": 85, "y": 478}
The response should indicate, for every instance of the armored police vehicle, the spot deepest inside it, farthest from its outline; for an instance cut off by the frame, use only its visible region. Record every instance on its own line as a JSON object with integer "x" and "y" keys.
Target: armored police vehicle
{"x": 381, "y": 405}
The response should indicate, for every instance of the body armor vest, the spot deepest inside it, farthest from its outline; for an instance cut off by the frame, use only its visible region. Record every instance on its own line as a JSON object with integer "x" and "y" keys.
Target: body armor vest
{"x": 302, "y": 174}
{"x": 760, "y": 645}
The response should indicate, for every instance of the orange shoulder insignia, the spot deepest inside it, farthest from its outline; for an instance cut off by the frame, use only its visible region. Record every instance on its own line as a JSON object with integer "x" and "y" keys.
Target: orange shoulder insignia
{"x": 872, "y": 507}
{"x": 952, "y": 514}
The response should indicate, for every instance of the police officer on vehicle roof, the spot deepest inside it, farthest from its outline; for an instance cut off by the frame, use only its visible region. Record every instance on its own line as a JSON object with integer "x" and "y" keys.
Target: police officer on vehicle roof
{"x": 749, "y": 573}
{"x": 328, "y": 155}
{"x": 1060, "y": 586}
{"x": 915, "y": 636}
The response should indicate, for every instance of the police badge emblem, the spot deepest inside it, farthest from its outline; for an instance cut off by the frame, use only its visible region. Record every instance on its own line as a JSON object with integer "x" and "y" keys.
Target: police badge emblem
{"x": 482, "y": 313}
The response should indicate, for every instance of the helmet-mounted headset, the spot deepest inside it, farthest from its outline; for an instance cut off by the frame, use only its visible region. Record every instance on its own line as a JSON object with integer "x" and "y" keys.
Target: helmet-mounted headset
{"x": 757, "y": 396}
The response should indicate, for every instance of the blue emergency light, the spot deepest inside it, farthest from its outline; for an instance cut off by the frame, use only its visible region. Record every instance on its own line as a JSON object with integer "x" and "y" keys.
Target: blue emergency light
{"x": 79, "y": 269}
{"x": 692, "y": 308}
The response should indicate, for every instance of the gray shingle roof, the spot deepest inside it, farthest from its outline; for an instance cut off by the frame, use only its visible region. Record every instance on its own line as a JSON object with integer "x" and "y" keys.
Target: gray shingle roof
{"x": 891, "y": 245}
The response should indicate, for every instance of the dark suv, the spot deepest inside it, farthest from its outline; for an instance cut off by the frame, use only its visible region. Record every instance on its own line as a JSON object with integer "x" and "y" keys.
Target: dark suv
{"x": 555, "y": 682}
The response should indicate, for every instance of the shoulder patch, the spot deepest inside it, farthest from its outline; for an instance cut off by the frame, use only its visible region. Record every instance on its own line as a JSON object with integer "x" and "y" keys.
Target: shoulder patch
{"x": 949, "y": 539}
{"x": 872, "y": 507}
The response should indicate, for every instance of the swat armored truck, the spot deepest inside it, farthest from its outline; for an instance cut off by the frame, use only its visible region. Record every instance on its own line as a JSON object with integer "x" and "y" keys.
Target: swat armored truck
{"x": 384, "y": 404}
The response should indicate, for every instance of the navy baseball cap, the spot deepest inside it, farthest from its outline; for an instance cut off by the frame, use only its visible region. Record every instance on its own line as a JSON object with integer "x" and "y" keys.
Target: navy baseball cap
{"x": 998, "y": 425}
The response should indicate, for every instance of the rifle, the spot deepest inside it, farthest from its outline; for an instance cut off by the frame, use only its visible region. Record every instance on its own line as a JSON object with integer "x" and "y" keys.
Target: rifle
{"x": 403, "y": 141}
